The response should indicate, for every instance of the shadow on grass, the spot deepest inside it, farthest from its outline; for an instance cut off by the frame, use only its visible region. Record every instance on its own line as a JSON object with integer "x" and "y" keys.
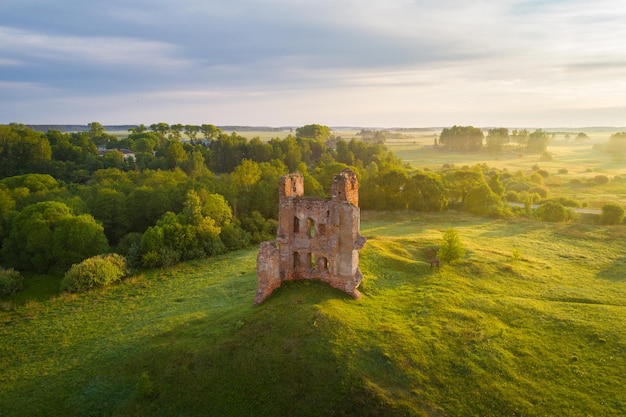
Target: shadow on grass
{"x": 616, "y": 272}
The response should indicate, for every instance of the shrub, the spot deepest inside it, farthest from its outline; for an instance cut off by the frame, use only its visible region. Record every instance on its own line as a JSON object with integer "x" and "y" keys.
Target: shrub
{"x": 160, "y": 258}
{"x": 451, "y": 248}
{"x": 601, "y": 179}
{"x": 97, "y": 271}
{"x": 612, "y": 214}
{"x": 10, "y": 282}
{"x": 543, "y": 173}
{"x": 563, "y": 171}
{"x": 552, "y": 211}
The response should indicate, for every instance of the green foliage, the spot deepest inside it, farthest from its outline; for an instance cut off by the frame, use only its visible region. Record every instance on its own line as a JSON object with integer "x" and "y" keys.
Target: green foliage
{"x": 552, "y": 211}
{"x": 612, "y": 214}
{"x": 451, "y": 248}
{"x": 11, "y": 281}
{"x": 462, "y": 138}
{"x": 496, "y": 184}
{"x": 22, "y": 151}
{"x": 97, "y": 271}
{"x": 47, "y": 236}
{"x": 538, "y": 141}
{"x": 314, "y": 131}
{"x": 497, "y": 139}
{"x": 482, "y": 200}
{"x": 424, "y": 191}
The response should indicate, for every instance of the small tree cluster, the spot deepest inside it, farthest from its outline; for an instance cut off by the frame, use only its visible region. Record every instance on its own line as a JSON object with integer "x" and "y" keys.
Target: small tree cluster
{"x": 97, "y": 271}
{"x": 612, "y": 214}
{"x": 553, "y": 211}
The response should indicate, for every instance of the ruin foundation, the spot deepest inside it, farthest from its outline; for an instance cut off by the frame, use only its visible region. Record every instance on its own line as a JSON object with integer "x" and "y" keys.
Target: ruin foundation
{"x": 317, "y": 238}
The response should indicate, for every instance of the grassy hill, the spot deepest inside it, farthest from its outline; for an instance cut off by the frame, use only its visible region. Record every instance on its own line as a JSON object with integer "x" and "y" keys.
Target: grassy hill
{"x": 530, "y": 323}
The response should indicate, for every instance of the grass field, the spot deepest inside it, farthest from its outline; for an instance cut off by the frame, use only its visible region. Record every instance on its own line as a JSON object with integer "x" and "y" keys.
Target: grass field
{"x": 530, "y": 323}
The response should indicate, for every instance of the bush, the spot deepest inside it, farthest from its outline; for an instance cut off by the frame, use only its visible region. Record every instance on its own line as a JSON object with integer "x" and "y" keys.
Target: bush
{"x": 552, "y": 212}
{"x": 612, "y": 214}
{"x": 563, "y": 171}
{"x": 160, "y": 258}
{"x": 451, "y": 249}
{"x": 97, "y": 271}
{"x": 600, "y": 179}
{"x": 10, "y": 282}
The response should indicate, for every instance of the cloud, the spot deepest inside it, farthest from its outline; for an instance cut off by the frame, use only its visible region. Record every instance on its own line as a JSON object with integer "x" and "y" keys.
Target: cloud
{"x": 358, "y": 59}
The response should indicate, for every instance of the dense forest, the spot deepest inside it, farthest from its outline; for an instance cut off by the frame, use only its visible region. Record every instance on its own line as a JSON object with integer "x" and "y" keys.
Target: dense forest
{"x": 167, "y": 193}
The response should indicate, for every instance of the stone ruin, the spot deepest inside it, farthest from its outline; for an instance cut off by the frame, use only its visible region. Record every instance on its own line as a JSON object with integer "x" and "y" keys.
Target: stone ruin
{"x": 317, "y": 238}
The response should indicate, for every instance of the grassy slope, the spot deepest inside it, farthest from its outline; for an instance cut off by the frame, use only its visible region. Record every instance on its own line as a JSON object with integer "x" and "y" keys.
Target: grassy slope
{"x": 542, "y": 334}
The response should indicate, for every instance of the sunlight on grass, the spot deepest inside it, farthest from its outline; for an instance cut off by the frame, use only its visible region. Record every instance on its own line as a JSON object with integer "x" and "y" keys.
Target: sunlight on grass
{"x": 541, "y": 333}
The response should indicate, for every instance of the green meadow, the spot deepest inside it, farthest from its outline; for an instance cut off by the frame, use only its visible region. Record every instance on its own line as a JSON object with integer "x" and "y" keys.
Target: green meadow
{"x": 529, "y": 323}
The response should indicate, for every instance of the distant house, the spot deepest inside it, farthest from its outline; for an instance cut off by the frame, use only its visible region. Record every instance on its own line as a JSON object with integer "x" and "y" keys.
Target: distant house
{"x": 126, "y": 152}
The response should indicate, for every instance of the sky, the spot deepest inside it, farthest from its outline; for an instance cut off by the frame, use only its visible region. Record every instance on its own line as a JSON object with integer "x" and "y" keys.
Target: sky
{"x": 367, "y": 63}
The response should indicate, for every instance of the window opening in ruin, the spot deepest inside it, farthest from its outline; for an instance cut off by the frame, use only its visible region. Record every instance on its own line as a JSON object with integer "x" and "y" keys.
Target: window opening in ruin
{"x": 296, "y": 225}
{"x": 312, "y": 261}
{"x": 310, "y": 227}
{"x": 296, "y": 260}
{"x": 327, "y": 214}
{"x": 293, "y": 186}
{"x": 323, "y": 263}
{"x": 321, "y": 228}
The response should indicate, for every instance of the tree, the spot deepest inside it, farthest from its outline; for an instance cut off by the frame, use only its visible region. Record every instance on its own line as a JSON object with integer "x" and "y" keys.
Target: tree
{"x": 210, "y": 132}
{"x": 97, "y": 135}
{"x": 192, "y": 132}
{"x": 496, "y": 185}
{"x": 176, "y": 131}
{"x": 314, "y": 131}
{"x": 460, "y": 181}
{"x": 497, "y": 139}
{"x": 612, "y": 214}
{"x": 483, "y": 201}
{"x": 48, "y": 237}
{"x": 520, "y": 137}
{"x": 538, "y": 141}
{"x": 617, "y": 143}
{"x": 425, "y": 192}
{"x": 451, "y": 248}
{"x": 462, "y": 138}
{"x": 23, "y": 151}
{"x": 552, "y": 211}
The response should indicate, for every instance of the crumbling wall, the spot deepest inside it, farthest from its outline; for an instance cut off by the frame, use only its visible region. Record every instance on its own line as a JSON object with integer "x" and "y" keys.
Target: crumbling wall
{"x": 317, "y": 238}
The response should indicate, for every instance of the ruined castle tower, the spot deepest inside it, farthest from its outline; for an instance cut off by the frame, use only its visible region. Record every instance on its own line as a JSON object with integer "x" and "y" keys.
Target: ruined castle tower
{"x": 317, "y": 238}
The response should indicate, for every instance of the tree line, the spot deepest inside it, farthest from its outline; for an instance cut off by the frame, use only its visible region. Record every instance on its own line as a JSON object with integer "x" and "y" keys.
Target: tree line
{"x": 63, "y": 199}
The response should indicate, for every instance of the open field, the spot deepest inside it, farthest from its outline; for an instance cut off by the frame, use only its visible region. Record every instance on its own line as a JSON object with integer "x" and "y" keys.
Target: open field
{"x": 529, "y": 323}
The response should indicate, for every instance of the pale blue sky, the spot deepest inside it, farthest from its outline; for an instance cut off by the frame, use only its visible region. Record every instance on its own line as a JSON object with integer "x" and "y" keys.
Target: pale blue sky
{"x": 376, "y": 63}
